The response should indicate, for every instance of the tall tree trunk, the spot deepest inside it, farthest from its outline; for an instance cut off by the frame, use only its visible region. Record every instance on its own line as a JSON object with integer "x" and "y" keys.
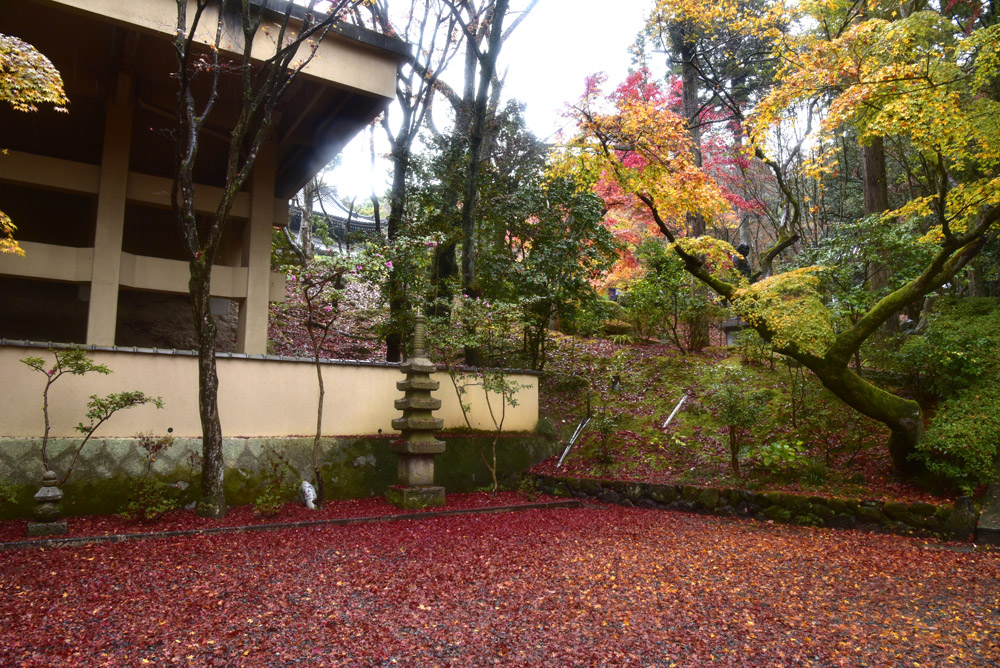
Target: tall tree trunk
{"x": 213, "y": 498}
{"x": 876, "y": 187}
{"x": 686, "y": 51}
{"x": 470, "y": 200}
{"x": 394, "y": 225}
{"x": 876, "y": 198}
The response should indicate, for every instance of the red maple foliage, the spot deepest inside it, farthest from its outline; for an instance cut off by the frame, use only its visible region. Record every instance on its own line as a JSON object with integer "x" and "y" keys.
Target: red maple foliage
{"x": 606, "y": 586}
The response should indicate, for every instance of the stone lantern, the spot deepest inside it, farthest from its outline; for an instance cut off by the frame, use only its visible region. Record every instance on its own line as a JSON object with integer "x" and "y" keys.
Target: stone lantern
{"x": 417, "y": 446}
{"x": 48, "y": 508}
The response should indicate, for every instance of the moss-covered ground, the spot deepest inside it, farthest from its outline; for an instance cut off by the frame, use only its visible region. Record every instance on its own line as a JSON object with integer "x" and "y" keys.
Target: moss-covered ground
{"x": 801, "y": 438}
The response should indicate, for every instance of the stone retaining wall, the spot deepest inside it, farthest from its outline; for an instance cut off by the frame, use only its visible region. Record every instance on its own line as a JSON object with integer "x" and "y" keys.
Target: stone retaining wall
{"x": 956, "y": 521}
{"x": 353, "y": 467}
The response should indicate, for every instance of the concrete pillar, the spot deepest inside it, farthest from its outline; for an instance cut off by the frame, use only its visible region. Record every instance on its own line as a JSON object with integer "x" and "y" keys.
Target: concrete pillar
{"x": 103, "y": 310}
{"x": 252, "y": 335}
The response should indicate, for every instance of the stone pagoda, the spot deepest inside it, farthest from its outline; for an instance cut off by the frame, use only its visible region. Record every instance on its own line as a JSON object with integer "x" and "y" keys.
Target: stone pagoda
{"x": 417, "y": 446}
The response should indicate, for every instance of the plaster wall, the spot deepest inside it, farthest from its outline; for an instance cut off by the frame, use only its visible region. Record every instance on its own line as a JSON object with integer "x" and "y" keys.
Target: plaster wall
{"x": 257, "y": 397}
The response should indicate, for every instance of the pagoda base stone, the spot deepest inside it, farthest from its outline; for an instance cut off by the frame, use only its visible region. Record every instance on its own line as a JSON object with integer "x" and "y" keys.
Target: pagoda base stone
{"x": 415, "y": 470}
{"x": 47, "y": 528}
{"x": 414, "y": 498}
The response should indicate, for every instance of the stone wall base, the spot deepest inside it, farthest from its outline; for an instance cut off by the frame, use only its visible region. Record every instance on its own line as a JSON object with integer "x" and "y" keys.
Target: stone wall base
{"x": 415, "y": 498}
{"x": 957, "y": 521}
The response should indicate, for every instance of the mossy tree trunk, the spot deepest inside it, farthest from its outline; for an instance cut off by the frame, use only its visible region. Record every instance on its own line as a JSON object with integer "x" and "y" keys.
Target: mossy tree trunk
{"x": 903, "y": 417}
{"x": 213, "y": 498}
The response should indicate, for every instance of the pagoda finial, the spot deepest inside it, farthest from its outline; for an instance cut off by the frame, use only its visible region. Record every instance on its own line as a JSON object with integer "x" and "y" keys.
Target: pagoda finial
{"x": 419, "y": 336}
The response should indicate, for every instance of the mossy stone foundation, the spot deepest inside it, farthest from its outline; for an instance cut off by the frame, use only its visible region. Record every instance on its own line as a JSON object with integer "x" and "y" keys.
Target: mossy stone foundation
{"x": 956, "y": 521}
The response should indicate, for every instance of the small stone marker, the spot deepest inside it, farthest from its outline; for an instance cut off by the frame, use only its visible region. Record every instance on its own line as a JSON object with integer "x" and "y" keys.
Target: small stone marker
{"x": 48, "y": 508}
{"x": 308, "y": 494}
{"x": 417, "y": 446}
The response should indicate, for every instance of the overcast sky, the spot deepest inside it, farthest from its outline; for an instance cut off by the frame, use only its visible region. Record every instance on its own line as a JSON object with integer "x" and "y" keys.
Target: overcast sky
{"x": 547, "y": 59}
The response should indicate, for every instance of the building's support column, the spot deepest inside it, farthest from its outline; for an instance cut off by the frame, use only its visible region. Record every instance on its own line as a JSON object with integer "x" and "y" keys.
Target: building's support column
{"x": 252, "y": 337}
{"x": 110, "y": 216}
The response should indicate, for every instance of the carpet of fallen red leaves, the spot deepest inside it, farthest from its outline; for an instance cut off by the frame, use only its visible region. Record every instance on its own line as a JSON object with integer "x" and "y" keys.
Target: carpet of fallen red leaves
{"x": 605, "y": 586}
{"x": 239, "y": 516}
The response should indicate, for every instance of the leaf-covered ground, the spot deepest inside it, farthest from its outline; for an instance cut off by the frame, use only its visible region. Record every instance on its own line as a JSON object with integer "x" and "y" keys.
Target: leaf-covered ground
{"x": 239, "y": 516}
{"x": 585, "y": 587}
{"x": 353, "y": 334}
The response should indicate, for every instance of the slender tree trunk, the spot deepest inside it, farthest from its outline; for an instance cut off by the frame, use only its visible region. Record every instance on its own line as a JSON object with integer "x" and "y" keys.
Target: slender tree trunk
{"x": 213, "y": 498}
{"x": 317, "y": 472}
{"x": 734, "y": 450}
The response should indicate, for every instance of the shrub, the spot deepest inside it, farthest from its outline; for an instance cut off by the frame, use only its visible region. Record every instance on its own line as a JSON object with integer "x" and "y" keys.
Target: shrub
{"x": 752, "y": 348}
{"x": 738, "y": 404}
{"x": 782, "y": 454}
{"x": 606, "y": 422}
{"x": 7, "y": 492}
{"x": 74, "y": 361}
{"x": 275, "y": 490}
{"x": 960, "y": 448}
{"x": 958, "y": 347}
{"x": 151, "y": 497}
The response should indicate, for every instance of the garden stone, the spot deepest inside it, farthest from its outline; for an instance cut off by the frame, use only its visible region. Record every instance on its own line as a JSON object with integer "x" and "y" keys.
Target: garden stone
{"x": 870, "y": 514}
{"x": 709, "y": 498}
{"x": 635, "y": 491}
{"x": 307, "y": 494}
{"x": 663, "y": 493}
{"x": 843, "y": 521}
{"x": 963, "y": 519}
{"x": 988, "y": 527}
{"x": 48, "y": 508}
{"x": 822, "y": 511}
{"x": 777, "y": 514}
{"x": 610, "y": 496}
{"x": 897, "y": 510}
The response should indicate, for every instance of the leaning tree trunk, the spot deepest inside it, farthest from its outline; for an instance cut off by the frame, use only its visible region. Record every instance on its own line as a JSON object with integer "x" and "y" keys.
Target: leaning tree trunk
{"x": 903, "y": 417}
{"x": 213, "y": 498}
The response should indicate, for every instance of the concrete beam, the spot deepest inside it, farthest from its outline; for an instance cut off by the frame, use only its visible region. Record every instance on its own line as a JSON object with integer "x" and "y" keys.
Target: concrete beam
{"x": 252, "y": 333}
{"x": 71, "y": 176}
